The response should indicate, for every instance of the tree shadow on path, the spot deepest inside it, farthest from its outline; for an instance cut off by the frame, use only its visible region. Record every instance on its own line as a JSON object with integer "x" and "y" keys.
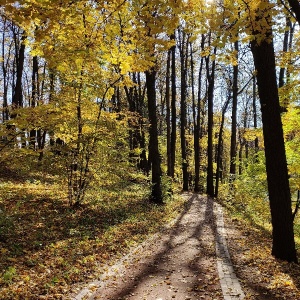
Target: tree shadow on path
{"x": 178, "y": 264}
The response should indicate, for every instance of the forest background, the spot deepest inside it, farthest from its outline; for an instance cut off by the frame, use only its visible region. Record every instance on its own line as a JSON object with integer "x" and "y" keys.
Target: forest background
{"x": 109, "y": 104}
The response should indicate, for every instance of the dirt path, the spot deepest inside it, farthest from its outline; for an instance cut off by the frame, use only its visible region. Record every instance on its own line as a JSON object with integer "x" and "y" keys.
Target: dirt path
{"x": 179, "y": 263}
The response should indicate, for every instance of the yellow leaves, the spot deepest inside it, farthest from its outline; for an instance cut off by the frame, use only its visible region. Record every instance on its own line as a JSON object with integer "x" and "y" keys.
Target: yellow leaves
{"x": 250, "y": 134}
{"x": 110, "y": 93}
{"x": 3, "y": 251}
{"x": 37, "y": 52}
{"x": 229, "y": 58}
{"x": 206, "y": 51}
{"x": 281, "y": 280}
{"x": 291, "y": 125}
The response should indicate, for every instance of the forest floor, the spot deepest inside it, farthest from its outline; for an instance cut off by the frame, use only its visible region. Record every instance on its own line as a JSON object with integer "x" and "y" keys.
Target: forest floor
{"x": 181, "y": 262}
{"x": 117, "y": 245}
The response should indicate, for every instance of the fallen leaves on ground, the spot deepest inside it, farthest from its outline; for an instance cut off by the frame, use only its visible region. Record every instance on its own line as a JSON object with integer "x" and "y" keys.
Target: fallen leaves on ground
{"x": 47, "y": 247}
{"x": 262, "y": 276}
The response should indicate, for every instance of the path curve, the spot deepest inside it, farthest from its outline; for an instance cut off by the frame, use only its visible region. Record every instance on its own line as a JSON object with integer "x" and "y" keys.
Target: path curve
{"x": 188, "y": 260}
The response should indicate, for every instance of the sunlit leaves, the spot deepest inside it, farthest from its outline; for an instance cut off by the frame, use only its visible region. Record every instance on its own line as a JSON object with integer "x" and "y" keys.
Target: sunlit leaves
{"x": 291, "y": 121}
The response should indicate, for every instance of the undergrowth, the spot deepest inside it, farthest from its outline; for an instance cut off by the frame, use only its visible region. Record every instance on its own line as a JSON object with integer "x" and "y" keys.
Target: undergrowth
{"x": 254, "y": 209}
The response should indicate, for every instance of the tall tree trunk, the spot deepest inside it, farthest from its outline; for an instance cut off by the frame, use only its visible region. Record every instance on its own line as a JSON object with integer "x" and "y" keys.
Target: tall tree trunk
{"x": 255, "y": 116}
{"x": 5, "y": 114}
{"x": 242, "y": 140}
{"x": 197, "y": 126}
{"x": 242, "y": 143}
{"x": 183, "y": 109}
{"x": 154, "y": 155}
{"x": 173, "y": 107}
{"x": 210, "y": 113}
{"x": 233, "y": 147}
{"x": 281, "y": 77}
{"x": 168, "y": 117}
{"x": 277, "y": 174}
{"x": 17, "y": 92}
{"x": 34, "y": 97}
{"x": 17, "y": 100}
{"x": 284, "y": 49}
{"x": 220, "y": 148}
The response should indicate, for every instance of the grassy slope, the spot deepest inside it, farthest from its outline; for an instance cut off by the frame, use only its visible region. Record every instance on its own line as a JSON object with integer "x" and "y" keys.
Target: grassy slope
{"x": 46, "y": 246}
{"x": 263, "y": 276}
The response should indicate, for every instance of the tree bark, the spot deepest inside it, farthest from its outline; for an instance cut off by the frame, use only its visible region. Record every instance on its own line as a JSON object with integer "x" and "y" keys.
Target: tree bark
{"x": 173, "y": 107}
{"x": 197, "y": 130}
{"x": 277, "y": 174}
{"x": 183, "y": 114}
{"x": 195, "y": 125}
{"x": 284, "y": 50}
{"x": 168, "y": 117}
{"x": 295, "y": 5}
{"x": 34, "y": 97}
{"x": 220, "y": 148}
{"x": 210, "y": 114}
{"x": 233, "y": 150}
{"x": 154, "y": 155}
{"x": 5, "y": 113}
{"x": 255, "y": 117}
{"x": 17, "y": 100}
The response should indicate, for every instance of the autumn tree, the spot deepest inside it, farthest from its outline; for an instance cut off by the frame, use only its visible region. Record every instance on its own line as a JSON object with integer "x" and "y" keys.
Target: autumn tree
{"x": 276, "y": 166}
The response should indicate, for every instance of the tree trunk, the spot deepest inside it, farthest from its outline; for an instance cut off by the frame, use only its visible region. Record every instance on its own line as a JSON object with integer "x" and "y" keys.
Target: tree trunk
{"x": 173, "y": 108}
{"x": 255, "y": 116}
{"x": 295, "y": 5}
{"x": 220, "y": 148}
{"x": 17, "y": 100}
{"x": 154, "y": 155}
{"x": 183, "y": 114}
{"x": 34, "y": 97}
{"x": 195, "y": 125}
{"x": 210, "y": 113}
{"x": 233, "y": 147}
{"x": 284, "y": 50}
{"x": 276, "y": 166}
{"x": 198, "y": 125}
{"x": 168, "y": 117}
{"x": 5, "y": 74}
{"x": 281, "y": 77}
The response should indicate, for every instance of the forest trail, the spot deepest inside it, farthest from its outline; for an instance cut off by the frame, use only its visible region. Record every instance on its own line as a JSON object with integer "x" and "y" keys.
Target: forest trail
{"x": 187, "y": 260}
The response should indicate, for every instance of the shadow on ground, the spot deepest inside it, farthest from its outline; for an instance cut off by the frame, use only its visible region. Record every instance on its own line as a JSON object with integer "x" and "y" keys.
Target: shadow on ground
{"x": 179, "y": 264}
